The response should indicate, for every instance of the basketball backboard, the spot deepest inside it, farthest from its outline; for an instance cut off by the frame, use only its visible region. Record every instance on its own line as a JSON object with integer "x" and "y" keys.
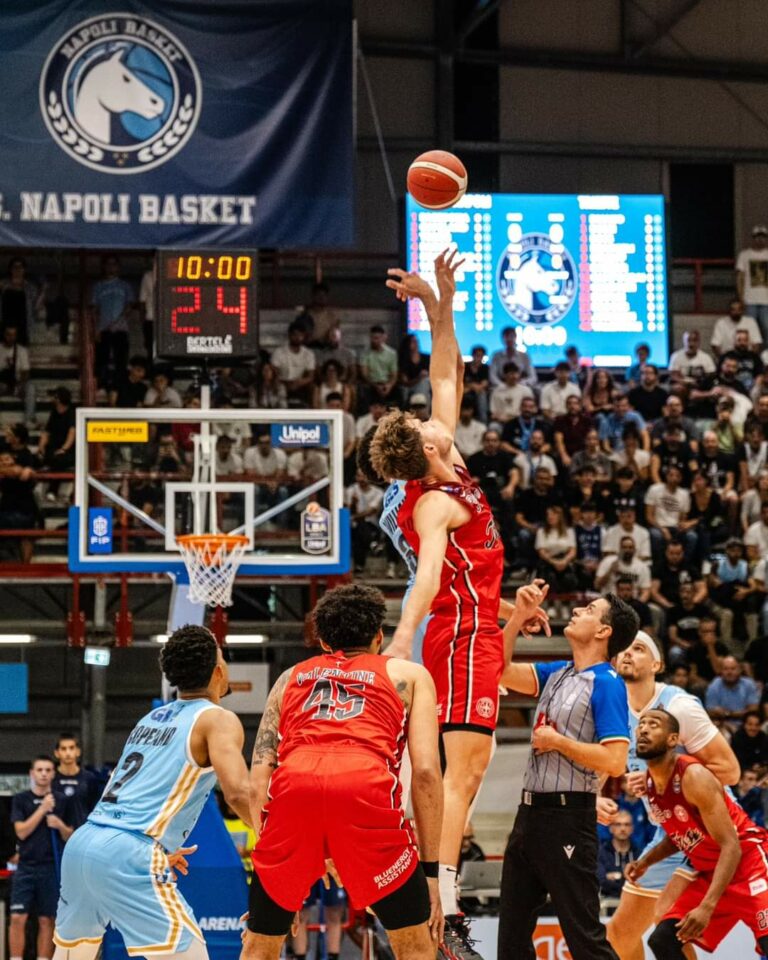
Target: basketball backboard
{"x": 276, "y": 477}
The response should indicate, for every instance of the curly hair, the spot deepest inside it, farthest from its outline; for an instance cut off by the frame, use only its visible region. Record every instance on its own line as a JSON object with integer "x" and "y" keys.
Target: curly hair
{"x": 188, "y": 658}
{"x": 624, "y": 624}
{"x": 397, "y": 451}
{"x": 364, "y": 464}
{"x": 350, "y": 616}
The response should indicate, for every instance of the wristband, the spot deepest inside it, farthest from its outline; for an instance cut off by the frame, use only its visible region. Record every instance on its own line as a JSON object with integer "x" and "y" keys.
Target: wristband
{"x": 430, "y": 868}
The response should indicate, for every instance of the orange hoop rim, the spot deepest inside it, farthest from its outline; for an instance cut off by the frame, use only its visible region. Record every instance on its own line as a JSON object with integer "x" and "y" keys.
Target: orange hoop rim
{"x": 212, "y": 539}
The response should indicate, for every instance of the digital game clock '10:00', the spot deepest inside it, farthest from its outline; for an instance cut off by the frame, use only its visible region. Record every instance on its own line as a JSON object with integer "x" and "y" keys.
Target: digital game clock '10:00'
{"x": 206, "y": 304}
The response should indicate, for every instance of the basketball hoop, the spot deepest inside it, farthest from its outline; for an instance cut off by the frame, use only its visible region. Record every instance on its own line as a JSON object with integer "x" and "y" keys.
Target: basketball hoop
{"x": 212, "y": 560}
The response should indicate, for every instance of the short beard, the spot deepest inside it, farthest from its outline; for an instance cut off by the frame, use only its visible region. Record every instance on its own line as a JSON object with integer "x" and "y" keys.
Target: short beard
{"x": 652, "y": 753}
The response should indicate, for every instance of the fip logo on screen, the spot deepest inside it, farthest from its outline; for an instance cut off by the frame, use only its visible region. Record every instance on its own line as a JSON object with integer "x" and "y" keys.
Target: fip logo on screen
{"x": 299, "y": 434}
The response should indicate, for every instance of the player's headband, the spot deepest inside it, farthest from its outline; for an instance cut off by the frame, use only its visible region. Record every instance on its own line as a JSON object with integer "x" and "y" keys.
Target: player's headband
{"x": 647, "y": 639}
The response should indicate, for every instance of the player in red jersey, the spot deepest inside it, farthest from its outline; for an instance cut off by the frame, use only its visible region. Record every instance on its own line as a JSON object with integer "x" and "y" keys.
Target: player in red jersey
{"x": 447, "y": 522}
{"x": 719, "y": 839}
{"x": 324, "y": 784}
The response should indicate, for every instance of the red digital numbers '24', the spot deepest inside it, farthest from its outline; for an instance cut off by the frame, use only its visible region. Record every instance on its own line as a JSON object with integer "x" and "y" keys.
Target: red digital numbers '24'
{"x": 240, "y": 309}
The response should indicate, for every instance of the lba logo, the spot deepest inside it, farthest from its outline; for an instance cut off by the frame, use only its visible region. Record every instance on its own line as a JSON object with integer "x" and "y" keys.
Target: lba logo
{"x": 299, "y": 434}
{"x": 120, "y": 93}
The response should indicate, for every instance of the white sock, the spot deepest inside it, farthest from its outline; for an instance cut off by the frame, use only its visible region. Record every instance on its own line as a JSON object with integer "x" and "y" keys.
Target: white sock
{"x": 448, "y": 891}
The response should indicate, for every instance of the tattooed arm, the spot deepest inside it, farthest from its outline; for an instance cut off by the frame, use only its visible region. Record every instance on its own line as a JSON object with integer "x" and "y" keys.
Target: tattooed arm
{"x": 264, "y": 758}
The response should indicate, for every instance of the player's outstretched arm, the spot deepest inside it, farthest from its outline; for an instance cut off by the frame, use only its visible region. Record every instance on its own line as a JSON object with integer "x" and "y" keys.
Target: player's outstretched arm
{"x": 527, "y": 609}
{"x": 264, "y": 759}
{"x": 432, "y": 517}
{"x": 701, "y": 789}
{"x": 717, "y": 755}
{"x": 426, "y": 781}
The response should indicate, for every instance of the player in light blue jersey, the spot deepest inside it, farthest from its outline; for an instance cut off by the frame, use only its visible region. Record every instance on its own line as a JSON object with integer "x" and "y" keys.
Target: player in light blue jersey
{"x": 118, "y": 867}
{"x": 639, "y": 666}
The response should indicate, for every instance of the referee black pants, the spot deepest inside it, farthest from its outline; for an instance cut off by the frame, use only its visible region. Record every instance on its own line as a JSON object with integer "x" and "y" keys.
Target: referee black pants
{"x": 552, "y": 850}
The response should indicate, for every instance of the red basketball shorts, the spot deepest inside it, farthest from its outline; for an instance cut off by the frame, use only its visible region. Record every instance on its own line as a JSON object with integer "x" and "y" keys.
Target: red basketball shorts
{"x": 343, "y": 804}
{"x": 745, "y": 898}
{"x": 465, "y": 658}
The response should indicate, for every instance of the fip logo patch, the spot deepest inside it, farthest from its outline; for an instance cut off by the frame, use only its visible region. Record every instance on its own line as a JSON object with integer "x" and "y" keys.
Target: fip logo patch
{"x": 120, "y": 93}
{"x": 299, "y": 434}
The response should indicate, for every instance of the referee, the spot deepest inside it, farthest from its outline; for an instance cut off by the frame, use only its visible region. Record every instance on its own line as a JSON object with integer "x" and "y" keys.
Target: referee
{"x": 581, "y": 732}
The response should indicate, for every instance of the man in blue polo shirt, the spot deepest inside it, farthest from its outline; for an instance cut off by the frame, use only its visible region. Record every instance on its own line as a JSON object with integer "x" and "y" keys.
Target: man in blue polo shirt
{"x": 580, "y": 732}
{"x": 611, "y": 425}
{"x": 38, "y": 816}
{"x": 79, "y": 786}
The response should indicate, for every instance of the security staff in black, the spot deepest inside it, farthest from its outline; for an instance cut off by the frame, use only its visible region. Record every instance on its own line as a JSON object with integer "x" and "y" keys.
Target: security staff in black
{"x": 39, "y": 818}
{"x": 581, "y": 731}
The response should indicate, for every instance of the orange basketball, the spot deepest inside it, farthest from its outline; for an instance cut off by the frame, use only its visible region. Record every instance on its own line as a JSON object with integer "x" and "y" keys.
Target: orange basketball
{"x": 437, "y": 179}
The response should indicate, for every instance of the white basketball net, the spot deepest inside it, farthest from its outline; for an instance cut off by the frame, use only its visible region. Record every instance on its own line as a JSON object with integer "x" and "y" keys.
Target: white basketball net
{"x": 212, "y": 561}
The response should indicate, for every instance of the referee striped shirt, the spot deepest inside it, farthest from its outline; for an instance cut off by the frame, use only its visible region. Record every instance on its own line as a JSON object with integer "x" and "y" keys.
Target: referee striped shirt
{"x": 587, "y": 705}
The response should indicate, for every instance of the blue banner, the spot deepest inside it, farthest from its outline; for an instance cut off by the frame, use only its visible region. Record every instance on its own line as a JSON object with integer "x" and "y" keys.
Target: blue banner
{"x": 14, "y": 688}
{"x": 172, "y": 124}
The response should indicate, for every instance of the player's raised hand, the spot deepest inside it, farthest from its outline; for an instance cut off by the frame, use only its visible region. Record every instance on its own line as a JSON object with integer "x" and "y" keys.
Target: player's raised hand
{"x": 407, "y": 285}
{"x": 446, "y": 265}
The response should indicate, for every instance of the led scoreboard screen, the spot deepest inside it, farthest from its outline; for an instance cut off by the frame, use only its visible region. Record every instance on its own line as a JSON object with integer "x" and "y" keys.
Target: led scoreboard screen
{"x": 562, "y": 269}
{"x": 206, "y": 304}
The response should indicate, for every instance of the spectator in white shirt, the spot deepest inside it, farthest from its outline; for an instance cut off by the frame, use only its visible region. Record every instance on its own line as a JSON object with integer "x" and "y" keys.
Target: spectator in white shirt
{"x": 14, "y": 372}
{"x": 295, "y": 366}
{"x": 364, "y": 502}
{"x": 625, "y": 564}
{"x": 752, "y": 277}
{"x": 629, "y": 528}
{"x": 555, "y": 394}
{"x": 724, "y": 334}
{"x": 691, "y": 363}
{"x": 334, "y": 401}
{"x": 506, "y": 399}
{"x": 667, "y": 506}
{"x": 161, "y": 393}
{"x": 530, "y": 461}
{"x": 756, "y": 537}
{"x": 468, "y": 436}
{"x": 510, "y": 354}
{"x": 376, "y": 410}
{"x": 752, "y": 457}
{"x": 227, "y": 460}
{"x": 269, "y": 465}
{"x": 147, "y": 303}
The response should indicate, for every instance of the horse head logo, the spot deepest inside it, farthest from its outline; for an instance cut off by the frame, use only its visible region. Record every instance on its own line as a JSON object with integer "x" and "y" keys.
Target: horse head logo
{"x": 536, "y": 280}
{"x": 122, "y": 104}
{"x": 107, "y": 88}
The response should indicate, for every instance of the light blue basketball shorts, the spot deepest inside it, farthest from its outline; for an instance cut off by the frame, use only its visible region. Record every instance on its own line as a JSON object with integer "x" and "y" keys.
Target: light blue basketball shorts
{"x": 658, "y": 876}
{"x": 113, "y": 876}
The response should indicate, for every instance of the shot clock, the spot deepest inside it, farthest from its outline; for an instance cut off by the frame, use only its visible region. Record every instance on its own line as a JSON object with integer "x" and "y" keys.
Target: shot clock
{"x": 206, "y": 304}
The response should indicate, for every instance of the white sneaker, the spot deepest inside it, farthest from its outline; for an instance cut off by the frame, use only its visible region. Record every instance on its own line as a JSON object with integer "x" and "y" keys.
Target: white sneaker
{"x": 391, "y": 571}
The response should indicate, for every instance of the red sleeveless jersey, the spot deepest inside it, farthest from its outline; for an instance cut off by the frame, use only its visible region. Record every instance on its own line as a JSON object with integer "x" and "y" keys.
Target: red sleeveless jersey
{"x": 474, "y": 558}
{"x": 683, "y": 823}
{"x": 338, "y": 702}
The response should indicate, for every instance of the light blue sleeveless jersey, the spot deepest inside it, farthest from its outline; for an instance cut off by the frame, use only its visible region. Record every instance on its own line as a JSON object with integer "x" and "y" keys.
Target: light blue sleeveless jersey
{"x": 157, "y": 789}
{"x": 393, "y": 500}
{"x": 389, "y": 523}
